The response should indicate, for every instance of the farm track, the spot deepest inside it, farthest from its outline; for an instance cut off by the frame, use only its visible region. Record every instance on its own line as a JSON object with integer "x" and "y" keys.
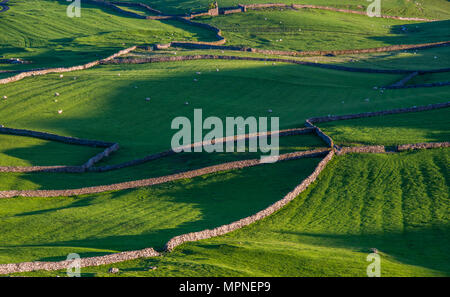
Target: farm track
{"x": 172, "y": 243}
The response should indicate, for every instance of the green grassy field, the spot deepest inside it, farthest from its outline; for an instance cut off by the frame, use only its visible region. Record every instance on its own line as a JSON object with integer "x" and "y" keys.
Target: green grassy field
{"x": 422, "y": 59}
{"x": 429, "y": 8}
{"x": 322, "y": 30}
{"x": 395, "y": 203}
{"x": 39, "y": 32}
{"x": 48, "y": 228}
{"x": 428, "y": 126}
{"x": 26, "y": 151}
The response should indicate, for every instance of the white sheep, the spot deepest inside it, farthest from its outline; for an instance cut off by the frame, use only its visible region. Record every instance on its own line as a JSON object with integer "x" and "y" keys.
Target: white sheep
{"x": 60, "y": 111}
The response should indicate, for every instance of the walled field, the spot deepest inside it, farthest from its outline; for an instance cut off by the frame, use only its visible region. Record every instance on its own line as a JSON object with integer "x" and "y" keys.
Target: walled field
{"x": 140, "y": 218}
{"x": 310, "y": 29}
{"x": 317, "y": 214}
{"x": 395, "y": 203}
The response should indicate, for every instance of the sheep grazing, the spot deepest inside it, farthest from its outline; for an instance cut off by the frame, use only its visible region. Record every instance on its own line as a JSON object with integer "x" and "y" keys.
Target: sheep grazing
{"x": 217, "y": 69}
{"x": 5, "y": 97}
{"x": 195, "y": 79}
{"x": 198, "y": 72}
{"x": 56, "y": 94}
{"x": 61, "y": 76}
{"x": 270, "y": 110}
{"x": 367, "y": 99}
{"x": 147, "y": 99}
{"x": 60, "y": 111}
{"x": 186, "y": 103}
{"x": 118, "y": 74}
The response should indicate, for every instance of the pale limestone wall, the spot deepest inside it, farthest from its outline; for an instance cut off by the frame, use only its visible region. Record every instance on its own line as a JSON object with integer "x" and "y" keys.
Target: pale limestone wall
{"x": 417, "y": 146}
{"x": 194, "y": 236}
{"x": 156, "y": 180}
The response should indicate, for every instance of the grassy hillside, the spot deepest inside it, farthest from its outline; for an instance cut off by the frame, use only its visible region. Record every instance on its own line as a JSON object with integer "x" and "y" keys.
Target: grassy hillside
{"x": 39, "y": 32}
{"x": 160, "y": 167}
{"x": 49, "y": 228}
{"x": 422, "y": 8}
{"x": 395, "y": 203}
{"x": 102, "y": 105}
{"x": 312, "y": 29}
{"x": 428, "y": 126}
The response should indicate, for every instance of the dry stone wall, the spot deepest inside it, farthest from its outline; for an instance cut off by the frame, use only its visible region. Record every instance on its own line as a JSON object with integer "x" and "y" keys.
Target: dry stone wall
{"x": 428, "y": 85}
{"x": 427, "y": 145}
{"x": 194, "y": 236}
{"x": 379, "y": 113}
{"x": 109, "y": 148}
{"x": 84, "y": 262}
{"x": 3, "y": 6}
{"x": 25, "y": 74}
{"x": 156, "y": 180}
{"x": 303, "y": 6}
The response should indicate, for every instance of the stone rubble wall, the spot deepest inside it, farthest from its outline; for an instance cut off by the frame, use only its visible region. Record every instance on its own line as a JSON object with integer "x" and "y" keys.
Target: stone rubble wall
{"x": 54, "y": 137}
{"x": 427, "y": 85}
{"x": 205, "y": 234}
{"x": 287, "y": 132}
{"x": 109, "y": 148}
{"x": 379, "y": 113}
{"x": 84, "y": 262}
{"x": 137, "y": 4}
{"x": 280, "y": 60}
{"x": 303, "y": 6}
{"x": 420, "y": 146}
{"x": 150, "y": 252}
{"x": 25, "y": 74}
{"x": 374, "y": 149}
{"x": 403, "y": 81}
{"x": 157, "y": 180}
